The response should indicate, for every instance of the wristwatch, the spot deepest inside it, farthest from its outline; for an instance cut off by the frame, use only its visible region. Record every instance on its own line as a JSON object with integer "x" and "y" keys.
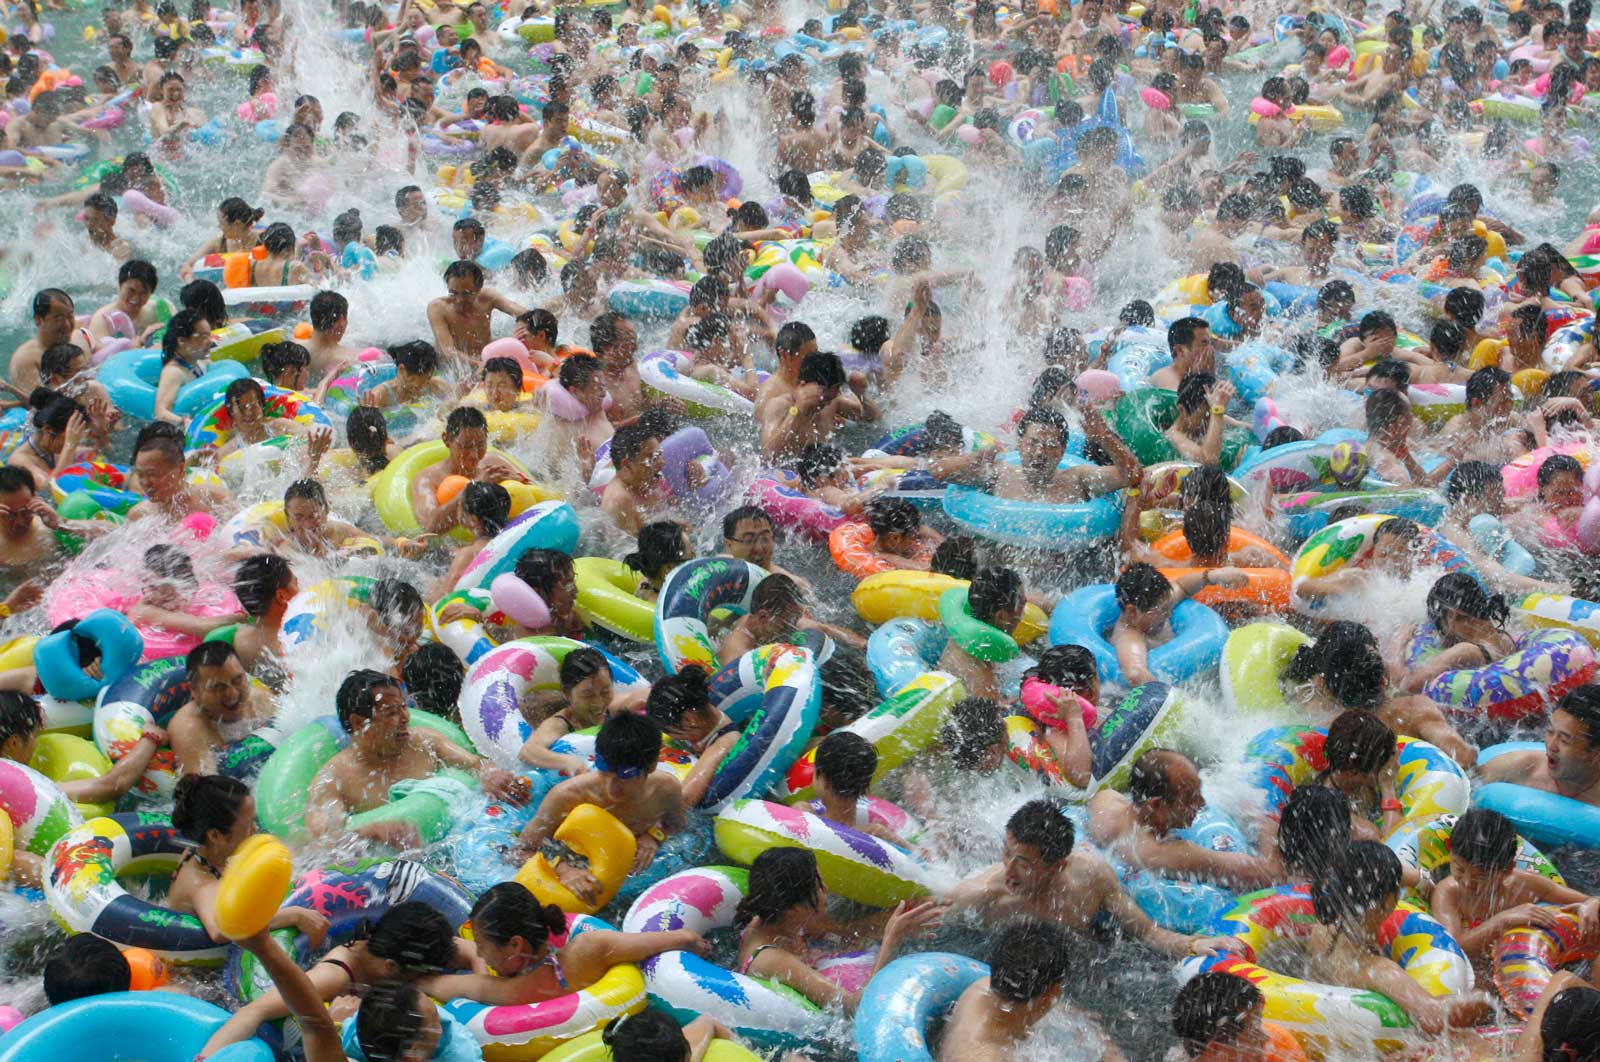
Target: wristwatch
{"x": 1392, "y": 805}
{"x": 656, "y": 832}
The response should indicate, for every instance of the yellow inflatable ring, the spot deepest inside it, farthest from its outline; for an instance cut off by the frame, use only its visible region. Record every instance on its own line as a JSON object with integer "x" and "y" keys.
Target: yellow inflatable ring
{"x": 608, "y": 598}
{"x": 391, "y": 488}
{"x": 892, "y": 594}
{"x": 598, "y": 836}
{"x": 253, "y": 884}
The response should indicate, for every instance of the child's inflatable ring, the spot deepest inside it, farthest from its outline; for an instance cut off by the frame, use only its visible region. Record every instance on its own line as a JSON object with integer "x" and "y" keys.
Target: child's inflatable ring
{"x": 915, "y": 594}
{"x": 704, "y": 899}
{"x": 491, "y": 695}
{"x": 1350, "y": 540}
{"x": 791, "y": 508}
{"x": 853, "y": 864}
{"x": 131, "y": 378}
{"x": 99, "y": 1028}
{"x": 1324, "y": 1014}
{"x": 528, "y": 1031}
{"x": 1425, "y": 845}
{"x": 608, "y": 598}
{"x": 213, "y": 426}
{"x": 1253, "y": 662}
{"x": 689, "y": 594}
{"x": 1546, "y": 666}
{"x": 1267, "y": 586}
{"x": 605, "y": 844}
{"x": 1429, "y": 783}
{"x": 898, "y": 728}
{"x": 667, "y": 373}
{"x": 1521, "y": 475}
{"x": 783, "y": 682}
{"x": 1084, "y": 616}
{"x": 83, "y": 892}
{"x": 546, "y": 525}
{"x": 1526, "y": 958}
{"x": 1037, "y": 525}
{"x": 900, "y": 1004}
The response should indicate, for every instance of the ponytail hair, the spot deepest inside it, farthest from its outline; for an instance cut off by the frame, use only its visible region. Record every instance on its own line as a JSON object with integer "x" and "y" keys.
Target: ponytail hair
{"x": 509, "y": 910}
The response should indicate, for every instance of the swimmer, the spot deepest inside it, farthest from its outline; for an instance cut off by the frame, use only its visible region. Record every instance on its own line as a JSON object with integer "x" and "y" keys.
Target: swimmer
{"x": 1146, "y": 599}
{"x": 222, "y": 708}
{"x": 586, "y": 700}
{"x": 1569, "y": 765}
{"x": 385, "y": 750}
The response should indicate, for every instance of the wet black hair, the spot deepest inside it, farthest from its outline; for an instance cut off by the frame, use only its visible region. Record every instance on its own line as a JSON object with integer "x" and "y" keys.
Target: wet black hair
{"x": 848, "y": 761}
{"x": 973, "y": 729}
{"x": 509, "y": 910}
{"x": 418, "y": 356}
{"x": 956, "y": 556}
{"x": 490, "y": 503}
{"x": 86, "y": 965}
{"x": 1043, "y": 825}
{"x": 1213, "y": 1008}
{"x": 1485, "y": 839}
{"x": 1360, "y": 742}
{"x": 205, "y": 802}
{"x": 661, "y": 547}
{"x": 355, "y": 699}
{"x": 541, "y": 569}
{"x": 993, "y": 590}
{"x": 1069, "y": 666}
{"x": 205, "y": 298}
{"x": 257, "y": 581}
{"x": 433, "y": 677}
{"x": 1583, "y": 704}
{"x": 781, "y": 879}
{"x": 774, "y": 593}
{"x": 730, "y": 522}
{"x": 1028, "y": 958}
{"x": 1460, "y": 592}
{"x": 1142, "y": 587}
{"x": 19, "y": 715}
{"x": 1363, "y": 874}
{"x": 368, "y": 435}
{"x": 651, "y": 1035}
{"x": 629, "y": 740}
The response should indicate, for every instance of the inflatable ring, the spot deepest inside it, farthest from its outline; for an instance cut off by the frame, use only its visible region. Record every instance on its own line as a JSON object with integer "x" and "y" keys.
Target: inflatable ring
{"x": 1348, "y": 541}
{"x": 1527, "y": 958}
{"x": 1307, "y": 512}
{"x": 667, "y": 373}
{"x": 98, "y": 1028}
{"x": 1333, "y": 460}
{"x": 212, "y": 427}
{"x": 704, "y": 899}
{"x": 306, "y": 617}
{"x": 391, "y": 488}
{"x": 652, "y": 299}
{"x": 529, "y": 1030}
{"x": 901, "y": 650}
{"x": 1429, "y": 783}
{"x": 914, "y": 594}
{"x": 1521, "y": 475}
{"x": 236, "y": 342}
{"x": 1253, "y": 662}
{"x": 1051, "y": 526}
{"x": 851, "y": 544}
{"x": 792, "y": 509}
{"x": 1542, "y": 817}
{"x": 1561, "y": 611}
{"x": 1149, "y": 715}
{"x": 256, "y": 878}
{"x": 689, "y": 594}
{"x": 348, "y": 895}
{"x": 491, "y": 696}
{"x": 285, "y": 782}
{"x": 38, "y": 812}
{"x": 84, "y": 894}
{"x": 1164, "y": 481}
{"x": 606, "y": 846}
{"x": 608, "y": 597}
{"x": 784, "y": 683}
{"x": 274, "y": 302}
{"x": 590, "y": 1047}
{"x": 1545, "y": 666}
{"x": 1266, "y": 586}
{"x": 899, "y": 1005}
{"x": 1425, "y": 845}
{"x": 55, "y": 656}
{"x": 148, "y": 696}
{"x": 132, "y": 377}
{"x": 898, "y": 729}
{"x": 546, "y": 525}
{"x": 1084, "y": 616}
{"x": 1324, "y": 1013}
{"x": 1143, "y": 416}
{"x": 853, "y": 864}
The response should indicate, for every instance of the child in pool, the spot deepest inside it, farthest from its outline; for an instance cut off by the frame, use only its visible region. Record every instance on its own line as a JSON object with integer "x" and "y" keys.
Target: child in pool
{"x": 845, "y": 765}
{"x": 548, "y": 573}
{"x": 586, "y": 701}
{"x": 86, "y": 966}
{"x": 1147, "y": 598}
{"x": 168, "y": 588}
{"x": 1561, "y": 501}
{"x": 826, "y": 476}
{"x": 654, "y": 1035}
{"x": 1060, "y": 693}
{"x": 1313, "y": 828}
{"x": 900, "y": 540}
{"x": 410, "y": 941}
{"x": 21, "y": 722}
{"x": 776, "y": 610}
{"x": 1028, "y": 969}
{"x": 1363, "y": 763}
{"x": 786, "y": 907}
{"x": 995, "y": 597}
{"x": 662, "y": 546}
{"x": 624, "y": 782}
{"x": 216, "y": 815}
{"x": 681, "y": 706}
{"x": 245, "y": 402}
{"x": 513, "y": 936}
{"x": 485, "y": 510}
{"x": 1486, "y": 893}
{"x": 1217, "y": 1018}
{"x": 1469, "y": 625}
{"x": 1394, "y": 550}
{"x": 1352, "y": 900}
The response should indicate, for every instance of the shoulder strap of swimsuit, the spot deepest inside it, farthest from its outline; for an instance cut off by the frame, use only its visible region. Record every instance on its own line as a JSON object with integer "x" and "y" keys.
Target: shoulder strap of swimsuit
{"x": 752, "y": 959}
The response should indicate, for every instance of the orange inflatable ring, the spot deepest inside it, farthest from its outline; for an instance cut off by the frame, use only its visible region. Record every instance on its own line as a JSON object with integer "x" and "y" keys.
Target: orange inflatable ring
{"x": 851, "y": 545}
{"x": 1267, "y": 586}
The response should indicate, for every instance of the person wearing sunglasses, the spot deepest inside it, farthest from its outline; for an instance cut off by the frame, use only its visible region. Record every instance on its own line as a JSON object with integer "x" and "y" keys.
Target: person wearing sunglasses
{"x": 624, "y": 782}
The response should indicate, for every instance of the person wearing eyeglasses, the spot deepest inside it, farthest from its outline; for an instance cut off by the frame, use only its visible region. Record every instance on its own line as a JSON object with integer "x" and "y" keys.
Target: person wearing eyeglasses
{"x": 383, "y": 752}
{"x": 624, "y": 782}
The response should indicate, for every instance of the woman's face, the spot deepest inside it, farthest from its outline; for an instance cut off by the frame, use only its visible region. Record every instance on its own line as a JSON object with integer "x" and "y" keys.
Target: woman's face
{"x": 1564, "y": 491}
{"x": 511, "y": 957}
{"x": 591, "y": 697}
{"x": 305, "y": 517}
{"x": 196, "y": 345}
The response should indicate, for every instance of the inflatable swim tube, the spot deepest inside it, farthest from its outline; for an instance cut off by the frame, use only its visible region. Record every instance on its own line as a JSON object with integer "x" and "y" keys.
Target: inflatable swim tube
{"x": 608, "y": 598}
{"x": 853, "y": 864}
{"x": 689, "y": 594}
{"x": 1543, "y": 817}
{"x": 1049, "y": 526}
{"x": 1267, "y": 586}
{"x": 213, "y": 426}
{"x": 131, "y": 379}
{"x": 1084, "y": 617}
{"x": 1527, "y": 958}
{"x": 915, "y": 594}
{"x": 1429, "y": 783}
{"x": 1545, "y": 666}
{"x": 1253, "y": 662}
{"x": 667, "y": 373}
{"x": 900, "y": 1004}
{"x": 98, "y": 1029}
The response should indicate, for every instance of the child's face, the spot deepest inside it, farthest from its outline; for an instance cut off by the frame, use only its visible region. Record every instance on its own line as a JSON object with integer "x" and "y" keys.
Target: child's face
{"x": 1148, "y": 622}
{"x": 592, "y": 697}
{"x": 509, "y": 958}
{"x": 1473, "y": 879}
{"x": 501, "y": 393}
{"x": 1564, "y": 491}
{"x": 19, "y": 748}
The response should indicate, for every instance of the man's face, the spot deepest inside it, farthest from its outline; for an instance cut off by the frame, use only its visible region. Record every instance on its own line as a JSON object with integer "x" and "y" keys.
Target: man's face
{"x": 650, "y": 460}
{"x": 221, "y": 692}
{"x": 1178, "y": 811}
{"x": 467, "y": 448}
{"x": 1027, "y": 873}
{"x": 752, "y": 540}
{"x": 462, "y": 290}
{"x": 388, "y": 730}
{"x": 16, "y": 519}
{"x": 1572, "y": 759}
{"x": 468, "y": 245}
{"x": 58, "y": 322}
{"x": 1041, "y": 449}
{"x": 161, "y": 477}
{"x": 117, "y": 48}
{"x": 1199, "y": 350}
{"x": 413, "y": 208}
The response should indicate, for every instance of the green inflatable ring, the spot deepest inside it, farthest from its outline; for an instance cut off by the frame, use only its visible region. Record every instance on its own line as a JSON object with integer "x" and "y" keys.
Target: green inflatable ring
{"x": 286, "y": 777}
{"x": 976, "y": 638}
{"x": 1141, "y": 416}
